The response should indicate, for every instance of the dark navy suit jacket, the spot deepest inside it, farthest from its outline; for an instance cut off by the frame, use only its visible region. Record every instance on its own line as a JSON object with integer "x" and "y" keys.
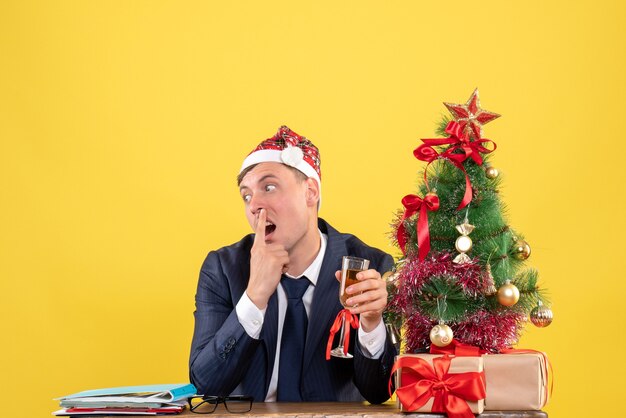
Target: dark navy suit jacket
{"x": 226, "y": 360}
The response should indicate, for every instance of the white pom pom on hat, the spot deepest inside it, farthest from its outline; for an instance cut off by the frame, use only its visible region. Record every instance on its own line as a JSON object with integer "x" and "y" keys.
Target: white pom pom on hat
{"x": 292, "y": 156}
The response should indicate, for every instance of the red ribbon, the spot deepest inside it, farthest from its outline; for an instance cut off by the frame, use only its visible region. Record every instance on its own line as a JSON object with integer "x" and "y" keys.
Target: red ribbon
{"x": 412, "y": 204}
{"x": 458, "y": 141}
{"x": 351, "y": 321}
{"x": 450, "y": 391}
{"x": 461, "y": 141}
{"x": 457, "y": 348}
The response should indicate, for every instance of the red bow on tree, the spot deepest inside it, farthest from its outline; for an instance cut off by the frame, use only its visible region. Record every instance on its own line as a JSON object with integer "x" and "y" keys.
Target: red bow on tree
{"x": 412, "y": 204}
{"x": 450, "y": 391}
{"x": 458, "y": 140}
{"x": 461, "y": 141}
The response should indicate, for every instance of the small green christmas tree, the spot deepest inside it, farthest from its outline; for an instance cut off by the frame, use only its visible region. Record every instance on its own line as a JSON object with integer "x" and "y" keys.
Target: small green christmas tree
{"x": 463, "y": 271}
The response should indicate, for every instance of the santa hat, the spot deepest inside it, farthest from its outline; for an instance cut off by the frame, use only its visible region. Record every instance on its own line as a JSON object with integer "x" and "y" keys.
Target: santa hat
{"x": 289, "y": 148}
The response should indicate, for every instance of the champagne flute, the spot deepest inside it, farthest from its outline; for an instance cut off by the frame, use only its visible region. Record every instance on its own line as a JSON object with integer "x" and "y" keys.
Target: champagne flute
{"x": 350, "y": 266}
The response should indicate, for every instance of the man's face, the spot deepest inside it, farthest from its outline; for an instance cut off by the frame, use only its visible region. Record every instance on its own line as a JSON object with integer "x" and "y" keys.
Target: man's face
{"x": 286, "y": 199}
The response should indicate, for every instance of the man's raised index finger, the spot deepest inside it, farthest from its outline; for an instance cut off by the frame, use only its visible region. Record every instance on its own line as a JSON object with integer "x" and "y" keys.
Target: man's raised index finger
{"x": 259, "y": 237}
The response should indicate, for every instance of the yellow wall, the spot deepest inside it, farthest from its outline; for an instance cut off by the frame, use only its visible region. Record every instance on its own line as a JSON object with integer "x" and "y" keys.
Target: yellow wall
{"x": 123, "y": 124}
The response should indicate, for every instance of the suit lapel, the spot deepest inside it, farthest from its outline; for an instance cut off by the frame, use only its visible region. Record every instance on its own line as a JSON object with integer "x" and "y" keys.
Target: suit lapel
{"x": 325, "y": 303}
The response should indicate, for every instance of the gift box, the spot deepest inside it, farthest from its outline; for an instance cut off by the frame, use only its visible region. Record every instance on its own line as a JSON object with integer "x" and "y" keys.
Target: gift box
{"x": 440, "y": 383}
{"x": 516, "y": 381}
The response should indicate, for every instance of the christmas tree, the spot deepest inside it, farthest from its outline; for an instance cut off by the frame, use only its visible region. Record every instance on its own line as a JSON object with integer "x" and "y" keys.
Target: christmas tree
{"x": 463, "y": 272}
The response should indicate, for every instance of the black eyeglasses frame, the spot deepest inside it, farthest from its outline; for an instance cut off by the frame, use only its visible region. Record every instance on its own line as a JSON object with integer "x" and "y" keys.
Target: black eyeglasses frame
{"x": 216, "y": 400}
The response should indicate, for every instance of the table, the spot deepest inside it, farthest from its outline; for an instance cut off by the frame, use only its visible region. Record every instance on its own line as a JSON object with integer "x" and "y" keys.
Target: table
{"x": 345, "y": 409}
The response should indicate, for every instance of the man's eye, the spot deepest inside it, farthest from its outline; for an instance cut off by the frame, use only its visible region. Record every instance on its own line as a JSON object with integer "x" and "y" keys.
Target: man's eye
{"x": 270, "y": 187}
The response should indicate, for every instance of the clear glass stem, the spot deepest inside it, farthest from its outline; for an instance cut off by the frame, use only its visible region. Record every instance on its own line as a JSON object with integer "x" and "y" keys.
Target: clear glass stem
{"x": 343, "y": 328}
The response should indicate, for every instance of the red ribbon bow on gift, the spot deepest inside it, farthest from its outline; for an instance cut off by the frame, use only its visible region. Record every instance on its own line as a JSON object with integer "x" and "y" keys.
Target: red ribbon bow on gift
{"x": 351, "y": 321}
{"x": 412, "y": 204}
{"x": 458, "y": 141}
{"x": 450, "y": 391}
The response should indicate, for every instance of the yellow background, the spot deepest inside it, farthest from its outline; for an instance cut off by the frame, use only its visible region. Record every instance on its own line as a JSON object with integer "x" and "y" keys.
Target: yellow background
{"x": 123, "y": 125}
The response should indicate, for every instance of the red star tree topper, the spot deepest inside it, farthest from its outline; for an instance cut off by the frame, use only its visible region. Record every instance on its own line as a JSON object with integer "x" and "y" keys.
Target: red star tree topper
{"x": 470, "y": 116}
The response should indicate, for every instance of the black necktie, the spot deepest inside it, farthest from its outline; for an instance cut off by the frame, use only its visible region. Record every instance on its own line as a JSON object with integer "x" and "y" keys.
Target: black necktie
{"x": 293, "y": 338}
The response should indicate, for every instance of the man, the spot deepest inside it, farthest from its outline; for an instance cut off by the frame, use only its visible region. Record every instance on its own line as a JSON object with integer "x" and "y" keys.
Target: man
{"x": 252, "y": 335}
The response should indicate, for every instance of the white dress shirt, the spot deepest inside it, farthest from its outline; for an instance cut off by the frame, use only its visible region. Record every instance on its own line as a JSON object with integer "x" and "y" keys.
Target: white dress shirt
{"x": 251, "y": 318}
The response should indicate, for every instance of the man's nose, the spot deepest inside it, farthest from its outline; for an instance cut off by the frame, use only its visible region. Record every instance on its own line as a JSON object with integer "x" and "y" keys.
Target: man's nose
{"x": 256, "y": 204}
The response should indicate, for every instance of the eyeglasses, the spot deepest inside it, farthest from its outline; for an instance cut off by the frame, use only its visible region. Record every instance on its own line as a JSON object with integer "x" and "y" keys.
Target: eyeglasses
{"x": 204, "y": 404}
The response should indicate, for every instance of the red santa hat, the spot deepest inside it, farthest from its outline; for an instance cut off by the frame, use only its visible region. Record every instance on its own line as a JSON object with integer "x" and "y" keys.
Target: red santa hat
{"x": 289, "y": 148}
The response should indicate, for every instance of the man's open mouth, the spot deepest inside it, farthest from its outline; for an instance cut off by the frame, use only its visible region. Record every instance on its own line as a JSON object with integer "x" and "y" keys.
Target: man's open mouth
{"x": 269, "y": 228}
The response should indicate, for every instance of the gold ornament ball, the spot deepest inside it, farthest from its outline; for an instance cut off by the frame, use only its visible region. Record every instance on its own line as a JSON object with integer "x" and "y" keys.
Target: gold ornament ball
{"x": 441, "y": 335}
{"x": 508, "y": 294}
{"x": 491, "y": 172}
{"x": 522, "y": 250}
{"x": 541, "y": 316}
